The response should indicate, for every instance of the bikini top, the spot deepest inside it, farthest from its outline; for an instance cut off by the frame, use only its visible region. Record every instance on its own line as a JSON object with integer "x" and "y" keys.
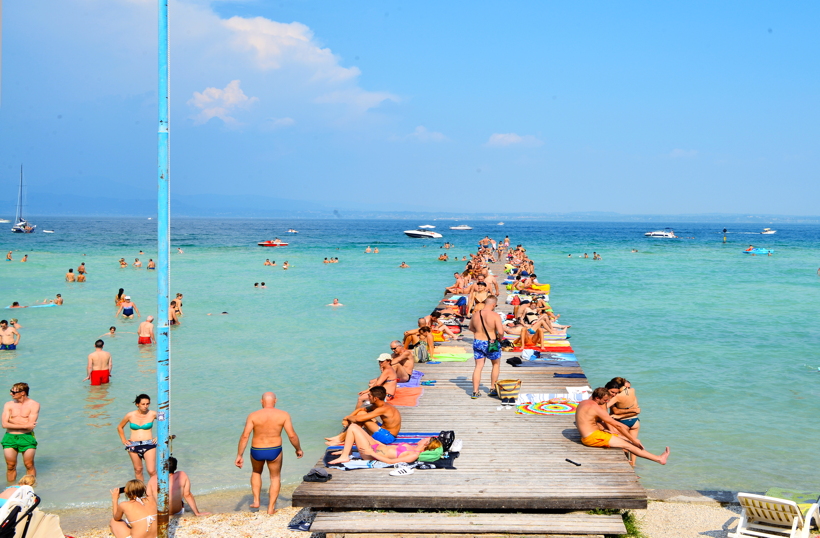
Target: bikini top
{"x": 146, "y": 426}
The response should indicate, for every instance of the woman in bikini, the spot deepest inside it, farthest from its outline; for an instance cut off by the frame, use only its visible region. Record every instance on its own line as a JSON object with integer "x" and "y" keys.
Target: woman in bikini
{"x": 136, "y": 516}
{"x": 120, "y": 298}
{"x": 370, "y": 449}
{"x": 623, "y": 406}
{"x": 142, "y": 445}
{"x": 477, "y": 297}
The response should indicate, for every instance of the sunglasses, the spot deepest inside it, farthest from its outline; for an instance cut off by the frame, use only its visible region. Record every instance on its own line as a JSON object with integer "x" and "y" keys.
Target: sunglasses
{"x": 15, "y": 391}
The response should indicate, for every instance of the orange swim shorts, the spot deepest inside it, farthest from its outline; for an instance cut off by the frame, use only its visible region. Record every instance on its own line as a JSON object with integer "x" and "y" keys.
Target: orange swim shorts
{"x": 597, "y": 438}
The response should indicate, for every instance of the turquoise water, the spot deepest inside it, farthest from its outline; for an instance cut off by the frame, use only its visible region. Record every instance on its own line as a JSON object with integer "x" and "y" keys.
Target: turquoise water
{"x": 721, "y": 346}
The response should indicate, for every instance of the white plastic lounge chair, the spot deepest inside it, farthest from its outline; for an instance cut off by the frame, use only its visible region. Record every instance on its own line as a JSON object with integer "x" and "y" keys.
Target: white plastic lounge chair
{"x": 770, "y": 517}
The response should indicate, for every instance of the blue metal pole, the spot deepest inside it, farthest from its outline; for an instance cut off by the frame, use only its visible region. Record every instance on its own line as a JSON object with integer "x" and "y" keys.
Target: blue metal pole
{"x": 163, "y": 278}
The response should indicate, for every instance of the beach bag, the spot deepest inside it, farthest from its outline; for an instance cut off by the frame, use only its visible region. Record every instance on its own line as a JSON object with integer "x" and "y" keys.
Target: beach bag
{"x": 516, "y": 301}
{"x": 421, "y": 353}
{"x": 508, "y": 388}
{"x": 447, "y": 437}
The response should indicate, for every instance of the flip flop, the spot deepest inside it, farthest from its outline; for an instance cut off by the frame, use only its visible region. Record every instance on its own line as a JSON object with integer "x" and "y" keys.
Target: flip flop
{"x": 304, "y": 526}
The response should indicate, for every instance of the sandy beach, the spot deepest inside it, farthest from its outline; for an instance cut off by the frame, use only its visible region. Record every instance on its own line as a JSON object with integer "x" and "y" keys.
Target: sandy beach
{"x": 684, "y": 514}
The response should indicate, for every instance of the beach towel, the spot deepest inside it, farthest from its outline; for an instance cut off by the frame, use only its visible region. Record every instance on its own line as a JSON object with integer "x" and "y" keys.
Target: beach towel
{"x": 453, "y": 357}
{"x": 407, "y": 397}
{"x": 450, "y": 349}
{"x": 529, "y": 364}
{"x": 548, "y": 349}
{"x": 546, "y": 397}
{"x": 579, "y": 376}
{"x": 414, "y": 381}
{"x": 547, "y": 408}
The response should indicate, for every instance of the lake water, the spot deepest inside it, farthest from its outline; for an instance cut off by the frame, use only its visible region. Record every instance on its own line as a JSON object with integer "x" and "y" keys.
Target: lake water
{"x": 722, "y": 347}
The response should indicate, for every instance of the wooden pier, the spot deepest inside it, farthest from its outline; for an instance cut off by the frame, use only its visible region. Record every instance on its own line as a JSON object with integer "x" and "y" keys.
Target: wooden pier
{"x": 509, "y": 463}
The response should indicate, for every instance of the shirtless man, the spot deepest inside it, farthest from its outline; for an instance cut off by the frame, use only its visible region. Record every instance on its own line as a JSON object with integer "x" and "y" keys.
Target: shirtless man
{"x": 173, "y": 314}
{"x": 486, "y": 327}
{"x": 81, "y": 269}
{"x": 128, "y": 308}
{"x": 367, "y": 417}
{"x": 100, "y": 365}
{"x": 335, "y": 303}
{"x": 81, "y": 278}
{"x": 151, "y": 264}
{"x": 58, "y": 300}
{"x": 69, "y": 276}
{"x": 267, "y": 425}
{"x": 403, "y": 266}
{"x": 9, "y": 258}
{"x": 145, "y": 332}
{"x": 401, "y": 360}
{"x": 9, "y": 337}
{"x": 179, "y": 487}
{"x": 19, "y": 418}
{"x": 592, "y": 422}
{"x": 458, "y": 287}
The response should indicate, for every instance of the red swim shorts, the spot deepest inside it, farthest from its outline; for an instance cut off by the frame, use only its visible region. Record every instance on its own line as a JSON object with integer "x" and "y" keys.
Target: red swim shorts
{"x": 144, "y": 340}
{"x": 98, "y": 377}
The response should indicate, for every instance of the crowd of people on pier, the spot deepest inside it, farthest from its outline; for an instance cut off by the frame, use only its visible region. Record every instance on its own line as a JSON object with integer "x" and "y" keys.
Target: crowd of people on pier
{"x": 609, "y": 418}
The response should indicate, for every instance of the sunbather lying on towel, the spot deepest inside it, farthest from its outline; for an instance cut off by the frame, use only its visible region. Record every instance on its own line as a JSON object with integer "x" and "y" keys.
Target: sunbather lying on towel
{"x": 526, "y": 336}
{"x": 370, "y": 449}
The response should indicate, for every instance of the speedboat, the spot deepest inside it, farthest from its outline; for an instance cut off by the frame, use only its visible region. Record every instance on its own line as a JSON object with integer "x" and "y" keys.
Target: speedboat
{"x": 667, "y": 233}
{"x": 768, "y": 231}
{"x": 3, "y": 221}
{"x": 422, "y": 234}
{"x": 292, "y": 231}
{"x": 48, "y": 231}
{"x": 500, "y": 224}
{"x": 461, "y": 227}
{"x": 275, "y": 243}
{"x": 426, "y": 227}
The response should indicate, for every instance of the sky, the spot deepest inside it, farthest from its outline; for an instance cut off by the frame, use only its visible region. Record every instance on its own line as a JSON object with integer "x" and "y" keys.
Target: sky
{"x": 636, "y": 108}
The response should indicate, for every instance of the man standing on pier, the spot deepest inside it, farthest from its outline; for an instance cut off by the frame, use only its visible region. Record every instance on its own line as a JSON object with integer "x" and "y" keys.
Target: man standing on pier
{"x": 267, "y": 425}
{"x": 486, "y": 328}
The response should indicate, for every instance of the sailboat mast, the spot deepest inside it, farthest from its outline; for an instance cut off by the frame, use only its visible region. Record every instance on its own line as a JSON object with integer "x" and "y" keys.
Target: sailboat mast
{"x": 20, "y": 198}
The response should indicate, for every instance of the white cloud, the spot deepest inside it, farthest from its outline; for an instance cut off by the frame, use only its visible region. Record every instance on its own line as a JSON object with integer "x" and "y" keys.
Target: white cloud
{"x": 682, "y": 153}
{"x": 499, "y": 140}
{"x": 423, "y": 135}
{"x": 216, "y": 103}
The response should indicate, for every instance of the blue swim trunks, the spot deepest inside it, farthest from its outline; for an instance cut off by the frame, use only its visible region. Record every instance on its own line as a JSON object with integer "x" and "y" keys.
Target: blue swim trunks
{"x": 481, "y": 351}
{"x": 383, "y": 436}
{"x": 8, "y": 347}
{"x": 266, "y": 454}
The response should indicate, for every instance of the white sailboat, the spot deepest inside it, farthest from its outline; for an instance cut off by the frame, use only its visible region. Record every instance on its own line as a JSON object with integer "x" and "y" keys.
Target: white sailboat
{"x": 21, "y": 225}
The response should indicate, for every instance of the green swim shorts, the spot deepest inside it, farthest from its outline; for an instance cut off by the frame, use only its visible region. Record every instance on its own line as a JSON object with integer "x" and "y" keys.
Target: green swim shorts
{"x": 19, "y": 441}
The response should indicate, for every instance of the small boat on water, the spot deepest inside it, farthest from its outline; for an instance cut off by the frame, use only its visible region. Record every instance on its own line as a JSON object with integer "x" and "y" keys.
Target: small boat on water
{"x": 48, "y": 231}
{"x": 3, "y": 221}
{"x": 422, "y": 234}
{"x": 667, "y": 233}
{"x": 461, "y": 227}
{"x": 768, "y": 231}
{"x": 292, "y": 231}
{"x": 275, "y": 243}
{"x": 21, "y": 225}
{"x": 500, "y": 224}
{"x": 426, "y": 227}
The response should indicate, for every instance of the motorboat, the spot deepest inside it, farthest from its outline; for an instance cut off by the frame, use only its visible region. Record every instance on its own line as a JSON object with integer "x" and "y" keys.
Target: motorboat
{"x": 292, "y": 231}
{"x": 48, "y": 231}
{"x": 667, "y": 233}
{"x": 768, "y": 231}
{"x": 461, "y": 227}
{"x": 3, "y": 221}
{"x": 426, "y": 227}
{"x": 500, "y": 224}
{"x": 422, "y": 234}
{"x": 21, "y": 225}
{"x": 275, "y": 243}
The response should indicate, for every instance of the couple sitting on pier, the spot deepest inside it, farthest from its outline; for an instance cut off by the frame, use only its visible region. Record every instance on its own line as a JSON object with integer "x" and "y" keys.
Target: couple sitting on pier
{"x": 373, "y": 426}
